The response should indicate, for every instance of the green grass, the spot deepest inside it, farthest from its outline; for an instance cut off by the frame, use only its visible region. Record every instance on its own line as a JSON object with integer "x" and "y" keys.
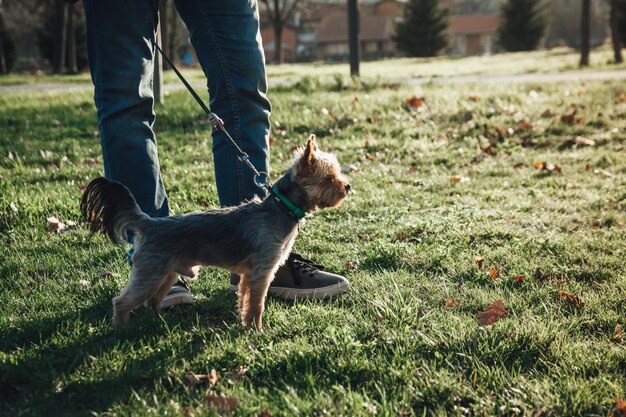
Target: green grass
{"x": 405, "y": 239}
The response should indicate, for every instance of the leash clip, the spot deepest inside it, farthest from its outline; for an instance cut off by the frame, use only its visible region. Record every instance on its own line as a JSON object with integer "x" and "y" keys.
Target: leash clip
{"x": 215, "y": 121}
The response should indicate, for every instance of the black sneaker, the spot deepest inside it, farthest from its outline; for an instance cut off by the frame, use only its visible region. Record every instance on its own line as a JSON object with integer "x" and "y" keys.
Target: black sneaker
{"x": 301, "y": 278}
{"x": 179, "y": 294}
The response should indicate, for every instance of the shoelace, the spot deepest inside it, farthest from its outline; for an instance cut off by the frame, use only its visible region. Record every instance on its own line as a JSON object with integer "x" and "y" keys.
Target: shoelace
{"x": 182, "y": 282}
{"x": 298, "y": 263}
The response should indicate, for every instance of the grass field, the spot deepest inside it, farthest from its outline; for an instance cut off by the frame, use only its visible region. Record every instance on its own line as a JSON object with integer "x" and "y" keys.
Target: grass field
{"x": 390, "y": 70}
{"x": 406, "y": 339}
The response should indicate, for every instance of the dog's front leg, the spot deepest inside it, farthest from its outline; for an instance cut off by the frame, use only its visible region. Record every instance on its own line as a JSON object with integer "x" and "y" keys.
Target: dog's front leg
{"x": 243, "y": 293}
{"x": 254, "y": 304}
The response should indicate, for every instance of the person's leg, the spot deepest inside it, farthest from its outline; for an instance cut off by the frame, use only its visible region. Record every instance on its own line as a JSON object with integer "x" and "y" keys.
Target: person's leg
{"x": 226, "y": 37}
{"x": 121, "y": 63}
{"x": 121, "y": 55}
{"x": 227, "y": 40}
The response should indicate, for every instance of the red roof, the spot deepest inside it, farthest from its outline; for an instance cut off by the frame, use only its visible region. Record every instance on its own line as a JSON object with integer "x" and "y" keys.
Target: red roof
{"x": 474, "y": 23}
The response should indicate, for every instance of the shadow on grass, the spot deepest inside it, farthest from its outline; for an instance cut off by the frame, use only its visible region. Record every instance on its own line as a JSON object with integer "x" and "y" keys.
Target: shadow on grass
{"x": 48, "y": 352}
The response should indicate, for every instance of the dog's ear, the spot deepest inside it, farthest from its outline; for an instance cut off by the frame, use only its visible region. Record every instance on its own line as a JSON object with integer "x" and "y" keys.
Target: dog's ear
{"x": 307, "y": 162}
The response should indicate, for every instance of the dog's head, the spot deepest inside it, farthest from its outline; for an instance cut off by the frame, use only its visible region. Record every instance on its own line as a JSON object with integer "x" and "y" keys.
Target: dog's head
{"x": 319, "y": 175}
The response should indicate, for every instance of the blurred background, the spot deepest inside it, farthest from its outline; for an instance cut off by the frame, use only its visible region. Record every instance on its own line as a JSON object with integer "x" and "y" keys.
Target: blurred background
{"x": 48, "y": 36}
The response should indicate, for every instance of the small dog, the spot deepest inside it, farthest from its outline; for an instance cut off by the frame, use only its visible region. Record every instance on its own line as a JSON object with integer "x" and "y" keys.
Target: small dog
{"x": 252, "y": 239}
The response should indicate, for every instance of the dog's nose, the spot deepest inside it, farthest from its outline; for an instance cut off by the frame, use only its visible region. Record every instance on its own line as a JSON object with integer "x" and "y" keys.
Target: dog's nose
{"x": 348, "y": 188}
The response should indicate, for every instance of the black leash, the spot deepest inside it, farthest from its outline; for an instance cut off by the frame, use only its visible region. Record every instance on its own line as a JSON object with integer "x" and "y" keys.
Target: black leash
{"x": 260, "y": 178}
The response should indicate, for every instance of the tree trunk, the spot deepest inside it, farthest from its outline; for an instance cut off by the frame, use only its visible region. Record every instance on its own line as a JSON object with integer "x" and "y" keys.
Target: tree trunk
{"x": 71, "y": 40}
{"x": 615, "y": 33}
{"x": 3, "y": 61}
{"x": 278, "y": 42}
{"x": 58, "y": 55}
{"x": 164, "y": 22}
{"x": 585, "y": 29}
{"x": 173, "y": 30}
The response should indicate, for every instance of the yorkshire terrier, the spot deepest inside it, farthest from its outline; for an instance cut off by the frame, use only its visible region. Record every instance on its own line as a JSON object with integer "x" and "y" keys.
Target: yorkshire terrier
{"x": 251, "y": 240}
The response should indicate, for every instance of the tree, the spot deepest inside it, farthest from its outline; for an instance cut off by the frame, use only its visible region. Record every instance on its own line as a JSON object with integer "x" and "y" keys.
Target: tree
{"x": 523, "y": 25}
{"x": 422, "y": 32}
{"x": 617, "y": 12}
{"x": 585, "y": 31}
{"x": 279, "y": 12}
{"x": 60, "y": 37}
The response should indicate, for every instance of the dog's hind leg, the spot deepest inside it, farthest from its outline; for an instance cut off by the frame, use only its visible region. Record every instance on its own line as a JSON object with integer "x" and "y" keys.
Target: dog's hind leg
{"x": 155, "y": 301}
{"x": 145, "y": 281}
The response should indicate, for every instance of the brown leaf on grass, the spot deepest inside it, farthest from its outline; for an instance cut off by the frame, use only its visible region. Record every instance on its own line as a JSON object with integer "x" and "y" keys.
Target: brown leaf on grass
{"x": 617, "y": 333}
{"x": 197, "y": 379}
{"x": 223, "y": 404}
{"x": 473, "y": 98}
{"x": 272, "y": 140}
{"x": 526, "y": 125}
{"x": 494, "y": 272}
{"x": 413, "y": 237}
{"x": 238, "y": 372}
{"x": 560, "y": 282}
{"x": 540, "y": 275}
{"x": 597, "y": 223}
{"x": 205, "y": 203}
{"x": 569, "y": 119}
{"x": 621, "y": 98}
{"x": 350, "y": 266}
{"x": 478, "y": 260}
{"x": 620, "y": 408}
{"x": 519, "y": 278}
{"x": 415, "y": 102}
{"x": 450, "y": 302}
{"x": 547, "y": 166}
{"x": 459, "y": 178}
{"x": 571, "y": 299}
{"x": 266, "y": 413}
{"x": 492, "y": 314}
{"x": 577, "y": 140}
{"x": 501, "y": 132}
{"x": 55, "y": 225}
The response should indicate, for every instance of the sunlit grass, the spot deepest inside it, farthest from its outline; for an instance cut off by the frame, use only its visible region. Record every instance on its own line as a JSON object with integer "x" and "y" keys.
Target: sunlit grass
{"x": 405, "y": 239}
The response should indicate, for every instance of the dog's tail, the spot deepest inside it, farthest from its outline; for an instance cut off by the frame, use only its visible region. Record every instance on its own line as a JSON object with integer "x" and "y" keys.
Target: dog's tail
{"x": 110, "y": 208}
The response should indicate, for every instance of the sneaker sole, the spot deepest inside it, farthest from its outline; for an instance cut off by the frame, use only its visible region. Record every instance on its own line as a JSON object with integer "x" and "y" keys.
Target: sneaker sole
{"x": 315, "y": 293}
{"x": 176, "y": 299}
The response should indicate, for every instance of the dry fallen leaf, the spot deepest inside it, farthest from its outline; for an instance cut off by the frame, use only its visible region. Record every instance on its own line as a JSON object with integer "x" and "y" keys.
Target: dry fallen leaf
{"x": 620, "y": 408}
{"x": 238, "y": 372}
{"x": 569, "y": 119}
{"x": 197, "y": 379}
{"x": 519, "y": 278}
{"x": 540, "y": 275}
{"x": 526, "y": 125}
{"x": 473, "y": 98}
{"x": 493, "y": 313}
{"x": 55, "y": 225}
{"x": 478, "y": 260}
{"x": 547, "y": 166}
{"x": 569, "y": 298}
{"x": 494, "y": 272}
{"x": 617, "y": 333}
{"x": 450, "y": 302}
{"x": 415, "y": 102}
{"x": 459, "y": 178}
{"x": 351, "y": 265}
{"x": 223, "y": 404}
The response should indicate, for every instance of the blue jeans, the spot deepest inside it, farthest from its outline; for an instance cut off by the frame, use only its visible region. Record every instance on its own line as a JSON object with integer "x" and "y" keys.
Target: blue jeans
{"x": 225, "y": 35}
